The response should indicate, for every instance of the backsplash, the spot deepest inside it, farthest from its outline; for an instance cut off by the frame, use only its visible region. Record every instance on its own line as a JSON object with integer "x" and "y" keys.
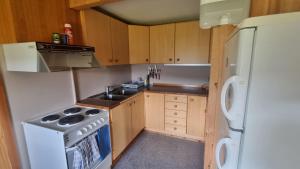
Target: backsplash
{"x": 94, "y": 81}
{"x": 181, "y": 75}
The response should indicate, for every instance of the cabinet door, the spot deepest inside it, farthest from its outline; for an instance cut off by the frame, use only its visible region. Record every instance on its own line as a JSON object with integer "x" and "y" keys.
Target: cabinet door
{"x": 138, "y": 115}
{"x": 121, "y": 128}
{"x": 154, "y": 110}
{"x": 96, "y": 32}
{"x": 138, "y": 44}
{"x": 191, "y": 43}
{"x": 196, "y": 116}
{"x": 119, "y": 36}
{"x": 162, "y": 43}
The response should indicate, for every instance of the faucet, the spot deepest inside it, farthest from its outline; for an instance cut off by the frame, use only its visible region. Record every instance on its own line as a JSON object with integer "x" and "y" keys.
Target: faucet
{"x": 109, "y": 89}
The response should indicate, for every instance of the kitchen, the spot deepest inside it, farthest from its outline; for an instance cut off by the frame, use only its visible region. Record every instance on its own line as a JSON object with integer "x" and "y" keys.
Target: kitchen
{"x": 176, "y": 107}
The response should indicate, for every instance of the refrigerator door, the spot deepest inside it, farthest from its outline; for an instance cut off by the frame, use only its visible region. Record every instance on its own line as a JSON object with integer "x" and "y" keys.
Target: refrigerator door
{"x": 231, "y": 146}
{"x": 272, "y": 122}
{"x": 238, "y": 52}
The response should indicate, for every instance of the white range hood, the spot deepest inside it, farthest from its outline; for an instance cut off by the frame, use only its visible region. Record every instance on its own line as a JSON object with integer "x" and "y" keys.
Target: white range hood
{"x": 220, "y": 12}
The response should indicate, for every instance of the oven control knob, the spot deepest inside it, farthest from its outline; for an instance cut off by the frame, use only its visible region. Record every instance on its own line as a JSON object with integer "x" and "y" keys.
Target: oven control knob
{"x": 98, "y": 121}
{"x": 90, "y": 126}
{"x": 94, "y": 124}
{"x": 84, "y": 129}
{"x": 79, "y": 133}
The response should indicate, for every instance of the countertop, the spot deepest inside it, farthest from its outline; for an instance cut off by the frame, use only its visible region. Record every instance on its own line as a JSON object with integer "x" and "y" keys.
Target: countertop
{"x": 109, "y": 104}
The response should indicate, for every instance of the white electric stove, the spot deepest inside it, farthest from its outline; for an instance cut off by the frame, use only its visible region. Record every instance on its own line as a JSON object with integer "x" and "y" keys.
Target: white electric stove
{"x": 68, "y": 138}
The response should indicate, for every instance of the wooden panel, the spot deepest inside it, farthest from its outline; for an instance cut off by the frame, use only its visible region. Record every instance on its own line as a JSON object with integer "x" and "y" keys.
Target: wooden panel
{"x": 176, "y": 98}
{"x": 84, "y": 4}
{"x": 176, "y": 106}
{"x": 154, "y": 109}
{"x": 37, "y": 20}
{"x": 119, "y": 36}
{"x": 191, "y": 43}
{"x": 7, "y": 32}
{"x": 175, "y": 113}
{"x": 96, "y": 32}
{"x": 267, "y": 7}
{"x": 175, "y": 129}
{"x": 121, "y": 128}
{"x": 196, "y": 116}
{"x": 219, "y": 36}
{"x": 175, "y": 121}
{"x": 139, "y": 44}
{"x": 9, "y": 158}
{"x": 138, "y": 114}
{"x": 162, "y": 43}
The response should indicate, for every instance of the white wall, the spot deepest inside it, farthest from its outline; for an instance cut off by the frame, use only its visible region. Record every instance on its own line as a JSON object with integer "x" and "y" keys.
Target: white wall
{"x": 94, "y": 81}
{"x": 181, "y": 75}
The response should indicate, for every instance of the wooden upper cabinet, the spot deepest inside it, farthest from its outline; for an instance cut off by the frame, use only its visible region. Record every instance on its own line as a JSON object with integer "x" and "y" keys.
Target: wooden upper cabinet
{"x": 119, "y": 37}
{"x": 96, "y": 32}
{"x": 162, "y": 43}
{"x": 84, "y": 4}
{"x": 196, "y": 116}
{"x": 191, "y": 43}
{"x": 139, "y": 52}
{"x": 155, "y": 111}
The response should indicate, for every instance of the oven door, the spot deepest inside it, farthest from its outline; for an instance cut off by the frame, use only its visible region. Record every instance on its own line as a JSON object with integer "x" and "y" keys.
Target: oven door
{"x": 92, "y": 151}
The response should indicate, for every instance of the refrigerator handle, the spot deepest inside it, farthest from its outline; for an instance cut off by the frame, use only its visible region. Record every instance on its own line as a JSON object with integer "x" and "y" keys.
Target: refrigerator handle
{"x": 229, "y": 153}
{"x": 229, "y": 114}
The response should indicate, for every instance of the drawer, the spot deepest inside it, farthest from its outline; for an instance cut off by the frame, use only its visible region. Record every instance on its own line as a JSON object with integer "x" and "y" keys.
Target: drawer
{"x": 175, "y": 121}
{"x": 175, "y": 113}
{"x": 175, "y": 129}
{"x": 175, "y": 98}
{"x": 176, "y": 106}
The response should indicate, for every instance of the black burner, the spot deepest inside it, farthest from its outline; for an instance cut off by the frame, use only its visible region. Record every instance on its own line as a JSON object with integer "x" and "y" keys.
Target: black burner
{"x": 73, "y": 110}
{"x": 69, "y": 120}
{"x": 92, "y": 112}
{"x": 50, "y": 118}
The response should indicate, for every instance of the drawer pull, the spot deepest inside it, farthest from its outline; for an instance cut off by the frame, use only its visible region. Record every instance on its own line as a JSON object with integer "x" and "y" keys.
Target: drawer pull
{"x": 175, "y": 98}
{"x": 175, "y": 113}
{"x": 175, "y": 121}
{"x": 175, "y": 106}
{"x": 175, "y": 128}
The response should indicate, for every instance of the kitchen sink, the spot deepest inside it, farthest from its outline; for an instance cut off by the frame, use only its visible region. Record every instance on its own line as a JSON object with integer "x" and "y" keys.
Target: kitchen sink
{"x": 125, "y": 92}
{"x": 113, "y": 97}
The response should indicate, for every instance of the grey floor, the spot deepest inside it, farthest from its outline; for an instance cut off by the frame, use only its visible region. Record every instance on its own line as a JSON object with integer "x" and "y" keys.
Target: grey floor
{"x": 155, "y": 151}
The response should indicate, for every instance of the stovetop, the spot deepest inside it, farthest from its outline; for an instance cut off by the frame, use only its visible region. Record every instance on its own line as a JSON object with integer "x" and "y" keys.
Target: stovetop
{"x": 70, "y": 118}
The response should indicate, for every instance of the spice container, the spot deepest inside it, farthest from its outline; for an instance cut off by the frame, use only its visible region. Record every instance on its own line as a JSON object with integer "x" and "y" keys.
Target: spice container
{"x": 69, "y": 33}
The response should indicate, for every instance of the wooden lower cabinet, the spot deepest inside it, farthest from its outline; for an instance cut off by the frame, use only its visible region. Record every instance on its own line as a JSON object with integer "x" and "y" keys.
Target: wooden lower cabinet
{"x": 196, "y": 116}
{"x": 154, "y": 109}
{"x": 138, "y": 115}
{"x": 121, "y": 128}
{"x": 127, "y": 121}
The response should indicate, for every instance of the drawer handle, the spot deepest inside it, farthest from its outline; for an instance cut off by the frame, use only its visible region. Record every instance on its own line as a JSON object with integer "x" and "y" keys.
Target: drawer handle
{"x": 191, "y": 100}
{"x": 175, "y": 113}
{"x": 175, "y": 121}
{"x": 175, "y": 106}
{"x": 175, "y": 98}
{"x": 175, "y": 128}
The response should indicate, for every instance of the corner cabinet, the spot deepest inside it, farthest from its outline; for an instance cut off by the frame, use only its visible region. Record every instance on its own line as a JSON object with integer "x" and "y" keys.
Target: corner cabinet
{"x": 139, "y": 52}
{"x": 191, "y": 43}
{"x": 155, "y": 111}
{"x": 162, "y": 43}
{"x": 109, "y": 37}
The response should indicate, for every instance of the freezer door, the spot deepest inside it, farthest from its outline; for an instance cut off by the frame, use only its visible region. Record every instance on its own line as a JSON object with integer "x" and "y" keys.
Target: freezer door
{"x": 272, "y": 122}
{"x": 238, "y": 53}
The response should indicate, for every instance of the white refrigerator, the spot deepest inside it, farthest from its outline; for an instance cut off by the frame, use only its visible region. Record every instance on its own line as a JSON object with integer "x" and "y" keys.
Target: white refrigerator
{"x": 261, "y": 98}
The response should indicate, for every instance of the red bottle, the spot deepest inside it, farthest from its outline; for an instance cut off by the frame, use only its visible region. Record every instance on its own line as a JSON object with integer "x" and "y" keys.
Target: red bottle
{"x": 69, "y": 33}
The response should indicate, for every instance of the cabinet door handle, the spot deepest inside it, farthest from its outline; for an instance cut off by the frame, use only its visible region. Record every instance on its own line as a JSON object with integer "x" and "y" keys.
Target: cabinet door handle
{"x": 170, "y": 59}
{"x": 175, "y": 121}
{"x": 175, "y": 106}
{"x": 147, "y": 60}
{"x": 110, "y": 60}
{"x": 175, "y": 113}
{"x": 134, "y": 102}
{"x": 191, "y": 100}
{"x": 175, "y": 98}
{"x": 175, "y": 128}
{"x": 178, "y": 59}
{"x": 116, "y": 60}
{"x": 148, "y": 96}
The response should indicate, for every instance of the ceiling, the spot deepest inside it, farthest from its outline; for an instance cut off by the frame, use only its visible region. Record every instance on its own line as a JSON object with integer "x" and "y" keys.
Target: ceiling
{"x": 153, "y": 12}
